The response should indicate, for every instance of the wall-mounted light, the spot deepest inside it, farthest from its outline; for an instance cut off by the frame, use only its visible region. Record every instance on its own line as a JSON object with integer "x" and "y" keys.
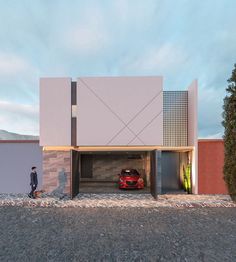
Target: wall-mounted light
{"x": 74, "y": 110}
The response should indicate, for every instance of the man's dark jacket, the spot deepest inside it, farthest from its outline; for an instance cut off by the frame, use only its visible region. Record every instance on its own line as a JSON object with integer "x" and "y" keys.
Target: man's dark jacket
{"x": 33, "y": 178}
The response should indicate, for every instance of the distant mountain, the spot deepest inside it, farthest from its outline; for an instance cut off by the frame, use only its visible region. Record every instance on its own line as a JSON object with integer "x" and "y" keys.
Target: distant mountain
{"x": 5, "y": 135}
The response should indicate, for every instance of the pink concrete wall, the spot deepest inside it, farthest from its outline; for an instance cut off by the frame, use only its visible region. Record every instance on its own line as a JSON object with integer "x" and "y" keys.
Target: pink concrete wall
{"x": 55, "y": 111}
{"x": 193, "y": 114}
{"x": 119, "y": 111}
{"x": 193, "y": 131}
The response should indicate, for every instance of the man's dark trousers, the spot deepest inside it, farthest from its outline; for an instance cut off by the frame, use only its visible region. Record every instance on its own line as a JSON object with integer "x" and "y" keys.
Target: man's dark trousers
{"x": 33, "y": 188}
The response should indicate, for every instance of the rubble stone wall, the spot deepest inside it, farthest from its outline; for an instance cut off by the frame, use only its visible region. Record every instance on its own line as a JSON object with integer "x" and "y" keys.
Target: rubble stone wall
{"x": 56, "y": 171}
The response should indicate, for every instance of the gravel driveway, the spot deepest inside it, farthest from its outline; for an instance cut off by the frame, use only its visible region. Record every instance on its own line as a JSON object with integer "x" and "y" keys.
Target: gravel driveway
{"x": 117, "y": 234}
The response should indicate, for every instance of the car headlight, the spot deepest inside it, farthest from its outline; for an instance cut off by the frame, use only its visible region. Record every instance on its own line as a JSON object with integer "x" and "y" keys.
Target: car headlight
{"x": 140, "y": 180}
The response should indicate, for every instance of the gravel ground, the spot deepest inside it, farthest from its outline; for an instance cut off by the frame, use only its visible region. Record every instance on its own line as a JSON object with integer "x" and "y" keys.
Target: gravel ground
{"x": 118, "y": 200}
{"x": 117, "y": 234}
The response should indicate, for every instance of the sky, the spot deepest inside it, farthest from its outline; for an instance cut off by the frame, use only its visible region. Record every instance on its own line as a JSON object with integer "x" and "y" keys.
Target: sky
{"x": 180, "y": 40}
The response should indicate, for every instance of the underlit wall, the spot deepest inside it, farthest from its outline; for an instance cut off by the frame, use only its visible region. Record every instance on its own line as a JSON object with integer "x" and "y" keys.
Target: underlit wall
{"x": 119, "y": 111}
{"x": 109, "y": 166}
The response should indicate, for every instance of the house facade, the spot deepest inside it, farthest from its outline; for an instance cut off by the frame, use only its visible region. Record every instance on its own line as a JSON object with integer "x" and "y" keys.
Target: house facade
{"x": 93, "y": 127}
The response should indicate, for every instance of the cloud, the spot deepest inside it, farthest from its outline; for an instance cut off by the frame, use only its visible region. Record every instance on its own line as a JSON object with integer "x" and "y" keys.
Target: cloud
{"x": 25, "y": 109}
{"x": 213, "y": 136}
{"x": 210, "y": 102}
{"x": 19, "y": 118}
{"x": 18, "y": 78}
{"x": 167, "y": 57}
{"x": 84, "y": 40}
{"x": 140, "y": 14}
{"x": 89, "y": 36}
{"x": 12, "y": 65}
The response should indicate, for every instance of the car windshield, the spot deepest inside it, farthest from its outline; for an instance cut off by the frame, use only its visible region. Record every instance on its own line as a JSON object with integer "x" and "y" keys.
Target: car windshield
{"x": 129, "y": 172}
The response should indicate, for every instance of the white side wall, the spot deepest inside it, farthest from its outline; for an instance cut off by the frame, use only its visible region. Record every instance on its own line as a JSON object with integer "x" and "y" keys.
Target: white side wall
{"x": 119, "y": 111}
{"x": 16, "y": 160}
{"x": 193, "y": 130}
{"x": 55, "y": 111}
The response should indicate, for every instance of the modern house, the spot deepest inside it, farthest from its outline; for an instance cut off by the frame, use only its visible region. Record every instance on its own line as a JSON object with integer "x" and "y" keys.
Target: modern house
{"x": 92, "y": 128}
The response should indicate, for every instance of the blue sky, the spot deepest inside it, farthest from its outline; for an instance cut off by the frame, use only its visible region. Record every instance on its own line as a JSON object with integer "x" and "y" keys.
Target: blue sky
{"x": 181, "y": 40}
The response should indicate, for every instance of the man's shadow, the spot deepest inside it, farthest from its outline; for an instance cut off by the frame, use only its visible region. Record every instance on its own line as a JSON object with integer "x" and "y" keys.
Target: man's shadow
{"x": 62, "y": 179}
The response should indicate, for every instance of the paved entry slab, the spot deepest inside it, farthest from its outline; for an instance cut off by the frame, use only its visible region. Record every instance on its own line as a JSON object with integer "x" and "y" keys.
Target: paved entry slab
{"x": 108, "y": 188}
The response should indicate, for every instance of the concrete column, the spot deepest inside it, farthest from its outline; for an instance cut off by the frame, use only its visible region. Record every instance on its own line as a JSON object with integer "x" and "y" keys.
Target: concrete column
{"x": 193, "y": 131}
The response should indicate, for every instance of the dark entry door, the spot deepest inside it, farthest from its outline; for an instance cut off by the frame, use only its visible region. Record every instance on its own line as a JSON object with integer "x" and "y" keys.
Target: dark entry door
{"x": 155, "y": 173}
{"x": 75, "y": 173}
{"x": 170, "y": 171}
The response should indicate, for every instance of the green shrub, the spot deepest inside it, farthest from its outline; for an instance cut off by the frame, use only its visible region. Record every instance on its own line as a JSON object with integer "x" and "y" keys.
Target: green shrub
{"x": 187, "y": 179}
{"x": 229, "y": 123}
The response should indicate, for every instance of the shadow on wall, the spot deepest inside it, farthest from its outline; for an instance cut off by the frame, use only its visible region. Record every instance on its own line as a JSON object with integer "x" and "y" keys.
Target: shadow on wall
{"x": 62, "y": 179}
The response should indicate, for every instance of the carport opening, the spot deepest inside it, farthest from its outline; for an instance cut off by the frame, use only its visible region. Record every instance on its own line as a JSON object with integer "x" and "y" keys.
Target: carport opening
{"x": 99, "y": 171}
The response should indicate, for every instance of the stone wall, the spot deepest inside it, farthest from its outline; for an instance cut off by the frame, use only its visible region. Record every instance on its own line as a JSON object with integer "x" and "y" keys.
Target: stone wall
{"x": 56, "y": 171}
{"x": 106, "y": 167}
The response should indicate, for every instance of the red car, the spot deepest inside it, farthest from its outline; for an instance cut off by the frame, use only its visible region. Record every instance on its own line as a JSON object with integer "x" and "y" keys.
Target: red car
{"x": 130, "y": 178}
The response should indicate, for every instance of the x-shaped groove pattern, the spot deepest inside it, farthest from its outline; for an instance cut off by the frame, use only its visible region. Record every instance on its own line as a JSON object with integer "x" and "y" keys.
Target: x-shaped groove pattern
{"x": 126, "y": 125}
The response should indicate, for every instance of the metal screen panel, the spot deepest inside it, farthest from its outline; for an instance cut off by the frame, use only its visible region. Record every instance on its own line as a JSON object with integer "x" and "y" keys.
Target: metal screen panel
{"x": 175, "y": 118}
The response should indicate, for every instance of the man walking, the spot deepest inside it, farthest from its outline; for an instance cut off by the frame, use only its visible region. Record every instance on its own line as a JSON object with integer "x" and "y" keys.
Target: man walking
{"x": 33, "y": 181}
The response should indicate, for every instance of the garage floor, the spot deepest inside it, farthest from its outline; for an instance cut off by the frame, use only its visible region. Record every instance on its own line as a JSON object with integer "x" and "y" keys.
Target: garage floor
{"x": 108, "y": 187}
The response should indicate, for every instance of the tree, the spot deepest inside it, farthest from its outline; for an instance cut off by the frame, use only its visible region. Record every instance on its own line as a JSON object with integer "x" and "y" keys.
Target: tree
{"x": 229, "y": 123}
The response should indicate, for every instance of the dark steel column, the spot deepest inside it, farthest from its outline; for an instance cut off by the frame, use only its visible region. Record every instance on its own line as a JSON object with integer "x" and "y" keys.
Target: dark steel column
{"x": 155, "y": 173}
{"x": 75, "y": 174}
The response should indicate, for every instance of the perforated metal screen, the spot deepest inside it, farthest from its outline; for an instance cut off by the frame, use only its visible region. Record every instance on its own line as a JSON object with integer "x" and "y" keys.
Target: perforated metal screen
{"x": 175, "y": 118}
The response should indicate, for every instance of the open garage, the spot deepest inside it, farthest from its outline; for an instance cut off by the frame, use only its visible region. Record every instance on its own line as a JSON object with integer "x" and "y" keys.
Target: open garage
{"x": 100, "y": 172}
